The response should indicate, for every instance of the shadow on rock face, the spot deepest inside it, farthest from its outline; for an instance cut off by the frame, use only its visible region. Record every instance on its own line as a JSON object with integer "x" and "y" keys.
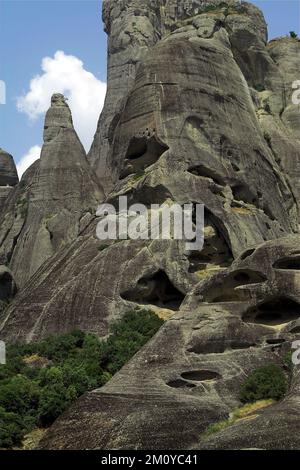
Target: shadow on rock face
{"x": 141, "y": 153}
{"x": 273, "y": 312}
{"x": 227, "y": 290}
{"x": 156, "y": 290}
{"x": 291, "y": 263}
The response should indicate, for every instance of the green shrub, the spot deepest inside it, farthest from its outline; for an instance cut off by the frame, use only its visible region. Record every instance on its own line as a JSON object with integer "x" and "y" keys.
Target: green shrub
{"x": 19, "y": 395}
{"x": 128, "y": 336}
{"x": 70, "y": 364}
{"x": 267, "y": 382}
{"x": 11, "y": 429}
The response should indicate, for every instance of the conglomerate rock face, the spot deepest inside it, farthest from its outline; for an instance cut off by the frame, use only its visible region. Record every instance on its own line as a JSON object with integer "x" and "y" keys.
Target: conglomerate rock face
{"x": 45, "y": 209}
{"x": 190, "y": 373}
{"x": 199, "y": 110}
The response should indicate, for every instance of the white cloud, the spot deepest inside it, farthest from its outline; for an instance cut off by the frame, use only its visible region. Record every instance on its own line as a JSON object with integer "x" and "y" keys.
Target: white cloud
{"x": 66, "y": 74}
{"x": 31, "y": 156}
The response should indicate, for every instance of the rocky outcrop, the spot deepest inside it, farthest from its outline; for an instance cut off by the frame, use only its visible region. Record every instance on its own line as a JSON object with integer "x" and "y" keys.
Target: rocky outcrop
{"x": 45, "y": 209}
{"x": 198, "y": 110}
{"x": 8, "y": 176}
{"x": 134, "y": 27}
{"x": 188, "y": 131}
{"x": 190, "y": 373}
{"x": 7, "y": 287}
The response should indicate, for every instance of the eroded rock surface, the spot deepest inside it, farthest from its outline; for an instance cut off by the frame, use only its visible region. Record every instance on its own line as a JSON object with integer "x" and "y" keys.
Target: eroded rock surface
{"x": 190, "y": 373}
{"x": 8, "y": 176}
{"x": 45, "y": 209}
{"x": 199, "y": 110}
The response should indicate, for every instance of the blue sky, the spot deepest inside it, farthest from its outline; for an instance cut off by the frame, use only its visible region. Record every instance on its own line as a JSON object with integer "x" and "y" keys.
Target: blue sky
{"x": 31, "y": 30}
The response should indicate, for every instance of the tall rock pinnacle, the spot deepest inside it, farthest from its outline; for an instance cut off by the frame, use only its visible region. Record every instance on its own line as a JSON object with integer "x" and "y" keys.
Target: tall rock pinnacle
{"x": 8, "y": 176}
{"x": 197, "y": 111}
{"x": 61, "y": 190}
{"x": 8, "y": 171}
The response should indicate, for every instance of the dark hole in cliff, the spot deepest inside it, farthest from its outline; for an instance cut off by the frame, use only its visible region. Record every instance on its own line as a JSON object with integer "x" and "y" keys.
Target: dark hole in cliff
{"x": 202, "y": 170}
{"x": 275, "y": 341}
{"x": 155, "y": 290}
{"x": 295, "y": 330}
{"x": 273, "y": 312}
{"x": 218, "y": 347}
{"x": 141, "y": 153}
{"x": 242, "y": 193}
{"x": 215, "y": 254}
{"x": 292, "y": 263}
{"x": 6, "y": 286}
{"x": 200, "y": 375}
{"x": 226, "y": 289}
{"x": 178, "y": 383}
{"x": 247, "y": 253}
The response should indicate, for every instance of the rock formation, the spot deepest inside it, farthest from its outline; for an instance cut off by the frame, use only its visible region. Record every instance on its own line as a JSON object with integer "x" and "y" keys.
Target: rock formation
{"x": 190, "y": 373}
{"x": 199, "y": 110}
{"x": 8, "y": 176}
{"x": 46, "y": 208}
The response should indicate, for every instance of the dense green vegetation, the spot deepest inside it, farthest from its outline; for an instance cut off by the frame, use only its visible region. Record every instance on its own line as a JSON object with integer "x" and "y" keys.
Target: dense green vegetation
{"x": 40, "y": 380}
{"x": 267, "y": 382}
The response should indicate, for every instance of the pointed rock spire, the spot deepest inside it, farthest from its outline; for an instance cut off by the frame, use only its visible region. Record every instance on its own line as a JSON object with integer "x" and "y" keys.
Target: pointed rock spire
{"x": 62, "y": 190}
{"x": 8, "y": 171}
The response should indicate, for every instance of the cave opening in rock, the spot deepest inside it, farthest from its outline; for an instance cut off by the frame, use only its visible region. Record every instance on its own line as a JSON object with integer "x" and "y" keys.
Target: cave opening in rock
{"x": 179, "y": 383}
{"x": 226, "y": 289}
{"x": 289, "y": 263}
{"x": 215, "y": 254}
{"x": 275, "y": 340}
{"x": 218, "y": 347}
{"x": 157, "y": 290}
{"x": 247, "y": 253}
{"x": 202, "y": 170}
{"x": 295, "y": 330}
{"x": 242, "y": 193}
{"x": 141, "y": 153}
{"x": 274, "y": 312}
{"x": 200, "y": 375}
{"x": 6, "y": 286}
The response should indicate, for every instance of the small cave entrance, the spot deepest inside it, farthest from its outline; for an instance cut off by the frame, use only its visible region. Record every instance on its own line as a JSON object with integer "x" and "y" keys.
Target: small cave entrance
{"x": 7, "y": 286}
{"x": 274, "y": 312}
{"x": 295, "y": 330}
{"x": 156, "y": 290}
{"x": 226, "y": 289}
{"x": 200, "y": 375}
{"x": 219, "y": 347}
{"x": 215, "y": 254}
{"x": 179, "y": 383}
{"x": 289, "y": 263}
{"x": 202, "y": 170}
{"x": 275, "y": 341}
{"x": 242, "y": 193}
{"x": 247, "y": 254}
{"x": 141, "y": 153}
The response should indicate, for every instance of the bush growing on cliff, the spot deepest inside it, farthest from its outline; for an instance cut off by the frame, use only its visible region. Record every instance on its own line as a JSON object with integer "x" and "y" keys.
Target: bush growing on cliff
{"x": 41, "y": 380}
{"x": 267, "y": 382}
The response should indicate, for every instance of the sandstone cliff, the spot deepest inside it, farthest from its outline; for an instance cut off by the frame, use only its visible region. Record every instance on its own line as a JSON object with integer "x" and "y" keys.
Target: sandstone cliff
{"x": 44, "y": 211}
{"x": 198, "y": 109}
